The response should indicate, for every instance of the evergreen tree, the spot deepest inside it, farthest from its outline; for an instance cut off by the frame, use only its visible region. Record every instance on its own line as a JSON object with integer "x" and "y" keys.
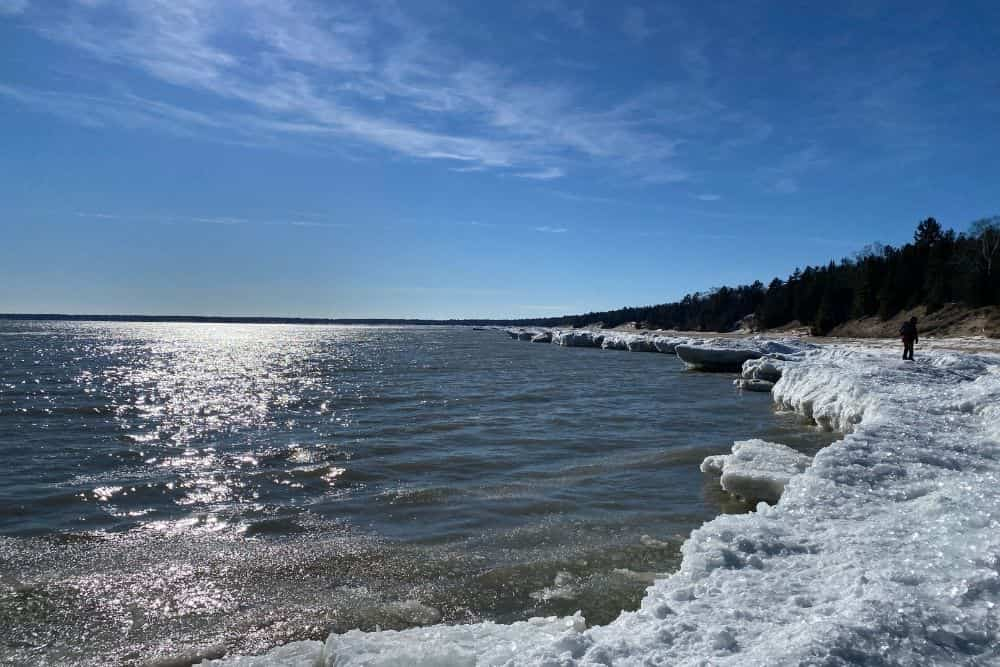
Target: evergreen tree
{"x": 928, "y": 233}
{"x": 938, "y": 267}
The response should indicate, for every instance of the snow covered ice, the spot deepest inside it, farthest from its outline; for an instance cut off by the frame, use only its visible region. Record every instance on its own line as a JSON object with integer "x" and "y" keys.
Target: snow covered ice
{"x": 729, "y": 354}
{"x": 716, "y": 357}
{"x": 294, "y": 654}
{"x": 756, "y": 470}
{"x": 577, "y": 338}
{"x": 884, "y": 551}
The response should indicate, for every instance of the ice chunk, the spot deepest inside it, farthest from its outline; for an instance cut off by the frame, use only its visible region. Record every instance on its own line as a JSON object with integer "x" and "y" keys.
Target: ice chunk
{"x": 715, "y": 358}
{"x": 615, "y": 342}
{"x": 577, "y": 338}
{"x": 295, "y": 654}
{"x": 640, "y": 344}
{"x": 757, "y": 469}
{"x": 763, "y": 368}
{"x": 460, "y": 645}
{"x": 521, "y": 334}
{"x": 668, "y": 345}
{"x": 733, "y": 354}
{"x": 754, "y": 385}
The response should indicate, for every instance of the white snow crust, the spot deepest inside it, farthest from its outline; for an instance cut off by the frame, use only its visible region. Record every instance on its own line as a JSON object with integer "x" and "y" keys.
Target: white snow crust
{"x": 757, "y": 469}
{"x": 884, "y": 551}
{"x": 730, "y": 354}
{"x": 713, "y": 354}
{"x": 578, "y": 338}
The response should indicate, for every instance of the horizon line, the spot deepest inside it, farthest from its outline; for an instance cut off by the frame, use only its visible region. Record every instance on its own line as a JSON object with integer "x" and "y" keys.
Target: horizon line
{"x": 268, "y": 319}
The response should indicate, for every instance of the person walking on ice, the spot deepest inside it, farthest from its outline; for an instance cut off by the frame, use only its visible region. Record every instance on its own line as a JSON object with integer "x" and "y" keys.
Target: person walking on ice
{"x": 908, "y": 332}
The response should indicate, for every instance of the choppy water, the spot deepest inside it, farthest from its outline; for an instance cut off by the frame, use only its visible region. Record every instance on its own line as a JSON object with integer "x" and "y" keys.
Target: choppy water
{"x": 173, "y": 486}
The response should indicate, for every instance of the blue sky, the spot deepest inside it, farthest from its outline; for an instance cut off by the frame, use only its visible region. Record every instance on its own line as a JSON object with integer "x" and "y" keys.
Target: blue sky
{"x": 277, "y": 157}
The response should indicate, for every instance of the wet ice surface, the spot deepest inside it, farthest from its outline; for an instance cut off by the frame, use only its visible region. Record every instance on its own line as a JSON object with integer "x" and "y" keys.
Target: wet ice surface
{"x": 756, "y": 469}
{"x": 174, "y": 490}
{"x": 885, "y": 551}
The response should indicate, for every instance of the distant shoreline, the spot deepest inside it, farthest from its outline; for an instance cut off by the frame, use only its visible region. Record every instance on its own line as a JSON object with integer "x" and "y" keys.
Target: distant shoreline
{"x": 952, "y": 321}
{"x": 219, "y": 319}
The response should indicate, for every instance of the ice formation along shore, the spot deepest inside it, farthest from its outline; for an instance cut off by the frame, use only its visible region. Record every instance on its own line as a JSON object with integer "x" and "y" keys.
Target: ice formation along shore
{"x": 711, "y": 354}
{"x": 884, "y": 551}
{"x": 757, "y": 470}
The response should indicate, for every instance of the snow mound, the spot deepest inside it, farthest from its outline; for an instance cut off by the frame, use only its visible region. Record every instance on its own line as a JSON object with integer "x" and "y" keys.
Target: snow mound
{"x": 641, "y": 344}
{"x": 764, "y": 368}
{"x": 577, "y": 338}
{"x": 668, "y": 344}
{"x": 613, "y": 341}
{"x": 522, "y": 334}
{"x": 757, "y": 469}
{"x": 616, "y": 340}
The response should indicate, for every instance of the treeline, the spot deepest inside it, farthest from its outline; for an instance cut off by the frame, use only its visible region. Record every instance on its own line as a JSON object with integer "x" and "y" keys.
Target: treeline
{"x": 938, "y": 267}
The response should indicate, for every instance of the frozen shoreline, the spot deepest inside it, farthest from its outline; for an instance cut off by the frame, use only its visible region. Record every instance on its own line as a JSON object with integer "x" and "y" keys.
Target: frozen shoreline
{"x": 884, "y": 551}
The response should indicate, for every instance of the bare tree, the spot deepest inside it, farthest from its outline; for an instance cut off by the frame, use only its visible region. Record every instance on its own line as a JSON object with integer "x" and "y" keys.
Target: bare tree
{"x": 987, "y": 232}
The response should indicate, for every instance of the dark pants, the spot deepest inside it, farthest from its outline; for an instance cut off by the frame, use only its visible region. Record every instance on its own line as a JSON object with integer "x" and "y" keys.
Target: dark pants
{"x": 908, "y": 348}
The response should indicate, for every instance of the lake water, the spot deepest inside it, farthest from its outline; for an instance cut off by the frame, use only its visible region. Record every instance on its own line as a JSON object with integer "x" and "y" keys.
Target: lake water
{"x": 173, "y": 486}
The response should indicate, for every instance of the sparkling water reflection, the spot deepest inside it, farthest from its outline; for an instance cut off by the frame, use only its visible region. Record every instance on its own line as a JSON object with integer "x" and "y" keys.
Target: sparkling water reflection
{"x": 170, "y": 486}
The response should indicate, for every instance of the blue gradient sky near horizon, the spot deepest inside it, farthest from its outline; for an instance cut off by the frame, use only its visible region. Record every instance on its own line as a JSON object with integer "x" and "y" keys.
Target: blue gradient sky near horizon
{"x": 453, "y": 159}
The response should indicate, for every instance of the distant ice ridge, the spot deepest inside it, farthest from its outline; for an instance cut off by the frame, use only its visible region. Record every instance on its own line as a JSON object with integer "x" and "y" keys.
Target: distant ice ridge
{"x": 884, "y": 551}
{"x": 730, "y": 354}
{"x": 711, "y": 354}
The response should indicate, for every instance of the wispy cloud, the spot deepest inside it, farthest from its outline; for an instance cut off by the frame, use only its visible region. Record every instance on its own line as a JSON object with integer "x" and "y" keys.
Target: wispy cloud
{"x": 708, "y": 197}
{"x": 207, "y": 220}
{"x": 124, "y": 111}
{"x": 468, "y": 170}
{"x": 303, "y": 73}
{"x": 305, "y": 223}
{"x": 547, "y": 174}
{"x": 784, "y": 177}
{"x": 573, "y": 196}
{"x": 551, "y": 230}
